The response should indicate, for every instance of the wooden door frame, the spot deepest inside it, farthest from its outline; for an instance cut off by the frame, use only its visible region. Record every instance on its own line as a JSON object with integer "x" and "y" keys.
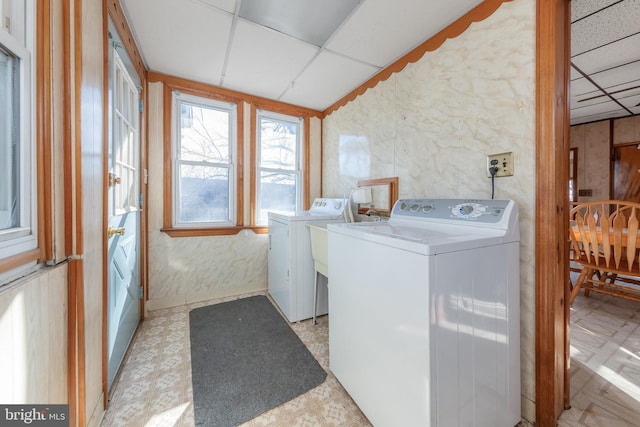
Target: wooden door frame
{"x": 613, "y": 159}
{"x": 551, "y": 223}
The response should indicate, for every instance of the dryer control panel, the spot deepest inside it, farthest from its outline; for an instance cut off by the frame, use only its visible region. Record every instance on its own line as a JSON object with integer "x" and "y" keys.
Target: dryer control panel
{"x": 327, "y": 206}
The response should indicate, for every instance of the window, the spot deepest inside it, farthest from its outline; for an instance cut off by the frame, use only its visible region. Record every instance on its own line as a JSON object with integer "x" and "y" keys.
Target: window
{"x": 17, "y": 183}
{"x": 279, "y": 159}
{"x": 204, "y": 169}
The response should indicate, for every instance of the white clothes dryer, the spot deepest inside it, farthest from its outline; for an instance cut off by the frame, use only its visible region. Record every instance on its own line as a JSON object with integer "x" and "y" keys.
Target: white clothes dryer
{"x": 424, "y": 328}
{"x": 290, "y": 263}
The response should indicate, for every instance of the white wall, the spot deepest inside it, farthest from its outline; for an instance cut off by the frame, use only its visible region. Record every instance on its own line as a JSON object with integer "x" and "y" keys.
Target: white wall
{"x": 33, "y": 333}
{"x": 434, "y": 123}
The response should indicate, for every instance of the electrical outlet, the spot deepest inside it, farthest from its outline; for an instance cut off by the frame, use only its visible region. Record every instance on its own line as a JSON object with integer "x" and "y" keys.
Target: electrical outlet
{"x": 504, "y": 163}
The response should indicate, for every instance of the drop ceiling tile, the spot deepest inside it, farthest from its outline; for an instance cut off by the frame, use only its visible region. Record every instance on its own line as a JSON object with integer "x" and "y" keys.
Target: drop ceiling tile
{"x": 226, "y": 5}
{"x": 381, "y": 31}
{"x": 576, "y": 120}
{"x": 180, "y": 37}
{"x": 309, "y": 21}
{"x": 582, "y": 8}
{"x": 264, "y": 62}
{"x": 612, "y": 55}
{"x": 631, "y": 99}
{"x": 582, "y": 88}
{"x": 327, "y": 79}
{"x": 617, "y": 76}
{"x": 600, "y": 110}
{"x": 614, "y": 23}
{"x": 574, "y": 74}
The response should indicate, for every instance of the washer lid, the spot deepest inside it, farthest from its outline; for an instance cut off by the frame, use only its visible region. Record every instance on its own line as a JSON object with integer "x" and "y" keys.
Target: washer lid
{"x": 322, "y": 208}
{"x": 422, "y": 240}
{"x": 302, "y": 216}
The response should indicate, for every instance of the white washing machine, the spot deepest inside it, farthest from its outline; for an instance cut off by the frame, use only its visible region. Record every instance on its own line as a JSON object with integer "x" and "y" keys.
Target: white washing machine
{"x": 424, "y": 328}
{"x": 290, "y": 264}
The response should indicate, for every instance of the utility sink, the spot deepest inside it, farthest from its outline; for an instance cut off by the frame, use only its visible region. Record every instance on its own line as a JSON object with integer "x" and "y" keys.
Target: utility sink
{"x": 319, "y": 248}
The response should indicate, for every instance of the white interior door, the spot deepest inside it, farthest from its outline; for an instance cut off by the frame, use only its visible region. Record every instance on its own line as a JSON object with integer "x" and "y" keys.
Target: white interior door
{"x": 124, "y": 290}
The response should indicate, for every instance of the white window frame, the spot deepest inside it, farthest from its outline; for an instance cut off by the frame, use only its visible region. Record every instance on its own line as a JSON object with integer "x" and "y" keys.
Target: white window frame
{"x": 18, "y": 38}
{"x": 231, "y": 109}
{"x": 299, "y": 122}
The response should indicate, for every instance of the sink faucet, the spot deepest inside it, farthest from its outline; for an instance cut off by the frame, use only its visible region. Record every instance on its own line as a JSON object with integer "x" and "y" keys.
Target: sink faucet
{"x": 374, "y": 213}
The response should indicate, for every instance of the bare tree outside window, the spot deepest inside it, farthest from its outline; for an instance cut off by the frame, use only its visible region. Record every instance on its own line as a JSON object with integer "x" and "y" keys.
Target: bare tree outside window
{"x": 204, "y": 163}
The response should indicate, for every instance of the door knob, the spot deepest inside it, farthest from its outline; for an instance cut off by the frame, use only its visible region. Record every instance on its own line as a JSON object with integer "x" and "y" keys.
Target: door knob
{"x": 112, "y": 231}
{"x": 113, "y": 179}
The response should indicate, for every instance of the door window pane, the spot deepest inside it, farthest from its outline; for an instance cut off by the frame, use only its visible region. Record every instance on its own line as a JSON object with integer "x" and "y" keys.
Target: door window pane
{"x": 125, "y": 142}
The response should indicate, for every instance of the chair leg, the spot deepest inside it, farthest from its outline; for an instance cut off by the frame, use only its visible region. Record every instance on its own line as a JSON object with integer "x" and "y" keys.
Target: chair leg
{"x": 576, "y": 288}
{"x": 599, "y": 274}
{"x": 315, "y": 297}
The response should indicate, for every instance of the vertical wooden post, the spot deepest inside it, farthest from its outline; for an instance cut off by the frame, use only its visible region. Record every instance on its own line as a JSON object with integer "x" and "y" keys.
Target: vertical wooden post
{"x": 552, "y": 206}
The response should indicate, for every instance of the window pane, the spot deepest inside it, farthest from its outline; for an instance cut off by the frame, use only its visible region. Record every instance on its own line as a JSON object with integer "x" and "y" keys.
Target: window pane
{"x": 204, "y": 194}
{"x": 277, "y": 193}
{"x": 278, "y": 144}
{"x": 204, "y": 134}
{"x": 9, "y": 140}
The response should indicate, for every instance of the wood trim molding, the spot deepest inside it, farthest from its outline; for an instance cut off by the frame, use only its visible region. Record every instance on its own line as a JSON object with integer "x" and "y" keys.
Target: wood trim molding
{"x": 72, "y": 343}
{"x": 43, "y": 128}
{"x": 76, "y": 358}
{"x": 267, "y": 104}
{"x": 10, "y": 263}
{"x": 552, "y": 209}
{"x": 105, "y": 192}
{"x": 120, "y": 22}
{"x": 306, "y": 178}
{"x": 253, "y": 173}
{"x": 166, "y": 157}
{"x": 198, "y": 232}
{"x": 392, "y": 185}
{"x": 67, "y": 131}
{"x": 205, "y": 92}
{"x": 477, "y": 14}
{"x": 76, "y": 271}
{"x": 77, "y": 126}
{"x": 240, "y": 165}
{"x": 612, "y": 162}
{"x": 144, "y": 189}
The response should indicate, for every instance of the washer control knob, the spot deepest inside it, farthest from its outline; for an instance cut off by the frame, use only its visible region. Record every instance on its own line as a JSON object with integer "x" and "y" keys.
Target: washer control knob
{"x": 404, "y": 206}
{"x": 466, "y": 209}
{"x": 414, "y": 207}
{"x": 427, "y": 208}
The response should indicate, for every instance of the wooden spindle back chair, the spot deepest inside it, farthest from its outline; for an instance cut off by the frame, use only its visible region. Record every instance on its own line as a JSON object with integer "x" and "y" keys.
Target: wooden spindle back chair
{"x": 605, "y": 243}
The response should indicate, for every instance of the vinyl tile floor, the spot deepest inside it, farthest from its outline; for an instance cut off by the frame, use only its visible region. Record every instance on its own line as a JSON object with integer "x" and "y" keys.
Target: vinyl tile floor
{"x": 154, "y": 385}
{"x": 605, "y": 363}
